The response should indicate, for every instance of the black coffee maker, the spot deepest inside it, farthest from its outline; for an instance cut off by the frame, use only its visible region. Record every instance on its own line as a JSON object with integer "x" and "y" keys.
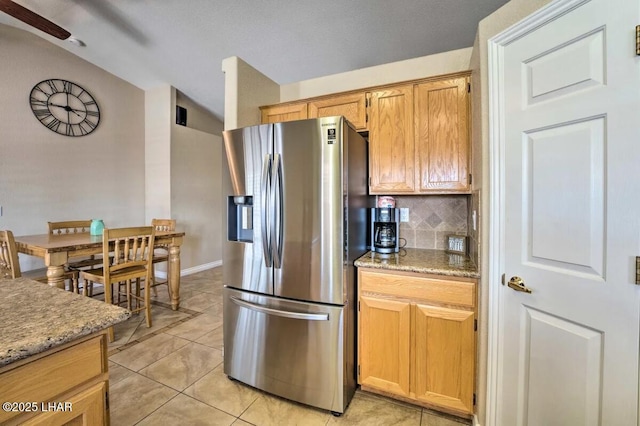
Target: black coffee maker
{"x": 384, "y": 229}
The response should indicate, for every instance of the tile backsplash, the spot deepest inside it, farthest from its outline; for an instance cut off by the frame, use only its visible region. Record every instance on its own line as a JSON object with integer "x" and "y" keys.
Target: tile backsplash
{"x": 431, "y": 218}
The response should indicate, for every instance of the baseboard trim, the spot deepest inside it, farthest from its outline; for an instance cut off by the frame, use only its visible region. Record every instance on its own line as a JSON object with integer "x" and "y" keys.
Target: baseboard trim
{"x": 192, "y": 270}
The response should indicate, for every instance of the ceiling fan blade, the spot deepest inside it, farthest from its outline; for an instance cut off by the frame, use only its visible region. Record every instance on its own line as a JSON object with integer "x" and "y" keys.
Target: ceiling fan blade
{"x": 25, "y": 15}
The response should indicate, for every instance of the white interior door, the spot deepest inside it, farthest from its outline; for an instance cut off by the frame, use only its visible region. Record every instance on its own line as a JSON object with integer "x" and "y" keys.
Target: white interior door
{"x": 569, "y": 217}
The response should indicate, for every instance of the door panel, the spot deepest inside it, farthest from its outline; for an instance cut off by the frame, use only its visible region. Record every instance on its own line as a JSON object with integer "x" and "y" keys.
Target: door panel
{"x": 312, "y": 214}
{"x": 553, "y": 344}
{"x": 280, "y": 113}
{"x": 445, "y": 357}
{"x": 291, "y": 349}
{"x": 565, "y": 172}
{"x": 391, "y": 146}
{"x": 352, "y": 106}
{"x": 568, "y": 351}
{"x": 385, "y": 341}
{"x": 567, "y": 68}
{"x": 442, "y": 135}
{"x": 244, "y": 262}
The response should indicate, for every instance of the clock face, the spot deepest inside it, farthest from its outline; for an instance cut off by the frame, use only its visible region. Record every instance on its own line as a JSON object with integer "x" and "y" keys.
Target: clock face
{"x": 64, "y": 107}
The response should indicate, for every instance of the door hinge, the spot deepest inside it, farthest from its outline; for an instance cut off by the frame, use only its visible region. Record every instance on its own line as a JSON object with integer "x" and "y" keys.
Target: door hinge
{"x": 106, "y": 399}
{"x": 366, "y": 118}
{"x": 468, "y": 87}
{"x": 638, "y": 40}
{"x": 358, "y": 306}
{"x": 475, "y": 325}
{"x": 470, "y": 178}
{"x": 503, "y": 279}
{"x": 474, "y": 398}
{"x": 358, "y": 370}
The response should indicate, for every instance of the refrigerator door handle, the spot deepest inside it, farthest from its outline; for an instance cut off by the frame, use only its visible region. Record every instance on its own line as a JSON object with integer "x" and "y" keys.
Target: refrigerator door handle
{"x": 277, "y": 228}
{"x": 264, "y": 210}
{"x": 285, "y": 314}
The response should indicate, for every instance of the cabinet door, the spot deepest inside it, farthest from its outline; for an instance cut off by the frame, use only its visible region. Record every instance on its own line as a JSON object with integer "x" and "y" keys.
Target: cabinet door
{"x": 352, "y": 106}
{"x": 87, "y": 408}
{"x": 391, "y": 141}
{"x": 444, "y": 357}
{"x": 384, "y": 344}
{"x": 280, "y": 113}
{"x": 442, "y": 135}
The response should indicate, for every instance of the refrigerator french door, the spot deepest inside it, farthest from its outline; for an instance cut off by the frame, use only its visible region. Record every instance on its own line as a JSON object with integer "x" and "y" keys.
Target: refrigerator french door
{"x": 296, "y": 222}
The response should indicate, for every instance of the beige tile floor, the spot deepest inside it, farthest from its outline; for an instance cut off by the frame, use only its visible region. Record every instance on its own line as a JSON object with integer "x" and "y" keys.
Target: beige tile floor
{"x": 172, "y": 374}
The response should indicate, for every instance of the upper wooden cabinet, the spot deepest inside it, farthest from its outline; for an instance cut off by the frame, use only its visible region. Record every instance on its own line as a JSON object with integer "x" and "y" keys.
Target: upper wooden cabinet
{"x": 442, "y": 135}
{"x": 418, "y": 132}
{"x": 352, "y": 106}
{"x": 391, "y": 141}
{"x": 286, "y": 112}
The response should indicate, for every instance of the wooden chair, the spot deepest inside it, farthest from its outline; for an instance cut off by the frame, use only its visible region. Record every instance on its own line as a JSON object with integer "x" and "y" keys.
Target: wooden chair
{"x": 10, "y": 266}
{"x": 161, "y": 254}
{"x": 132, "y": 256}
{"x": 77, "y": 227}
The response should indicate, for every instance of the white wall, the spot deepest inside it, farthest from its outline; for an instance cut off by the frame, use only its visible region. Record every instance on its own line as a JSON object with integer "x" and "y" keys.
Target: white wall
{"x": 197, "y": 117}
{"x": 245, "y": 89}
{"x": 158, "y": 119}
{"x": 45, "y": 176}
{"x": 183, "y": 177}
{"x": 411, "y": 69}
{"x": 196, "y": 190}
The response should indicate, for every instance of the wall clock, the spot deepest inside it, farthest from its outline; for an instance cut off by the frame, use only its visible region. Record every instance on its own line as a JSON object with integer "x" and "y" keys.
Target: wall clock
{"x": 64, "y": 107}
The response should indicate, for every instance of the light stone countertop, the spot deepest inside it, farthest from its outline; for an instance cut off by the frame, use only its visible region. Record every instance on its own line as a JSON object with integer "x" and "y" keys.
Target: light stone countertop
{"x": 35, "y": 317}
{"x": 422, "y": 261}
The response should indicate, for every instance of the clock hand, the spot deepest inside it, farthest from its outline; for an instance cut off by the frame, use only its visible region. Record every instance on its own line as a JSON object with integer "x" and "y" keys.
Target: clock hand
{"x": 67, "y": 108}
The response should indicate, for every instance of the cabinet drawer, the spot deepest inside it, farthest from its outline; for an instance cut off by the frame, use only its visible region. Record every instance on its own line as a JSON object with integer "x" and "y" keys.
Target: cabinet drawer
{"x": 445, "y": 291}
{"x": 45, "y": 378}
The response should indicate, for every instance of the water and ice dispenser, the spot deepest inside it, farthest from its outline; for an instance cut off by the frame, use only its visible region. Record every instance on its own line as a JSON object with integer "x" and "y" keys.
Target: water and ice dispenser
{"x": 240, "y": 218}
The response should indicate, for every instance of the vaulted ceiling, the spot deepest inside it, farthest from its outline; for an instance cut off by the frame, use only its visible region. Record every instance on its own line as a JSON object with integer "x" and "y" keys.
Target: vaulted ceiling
{"x": 183, "y": 42}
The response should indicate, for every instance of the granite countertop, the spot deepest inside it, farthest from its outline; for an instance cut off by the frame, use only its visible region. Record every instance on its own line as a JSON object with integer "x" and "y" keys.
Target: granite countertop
{"x": 37, "y": 317}
{"x": 422, "y": 261}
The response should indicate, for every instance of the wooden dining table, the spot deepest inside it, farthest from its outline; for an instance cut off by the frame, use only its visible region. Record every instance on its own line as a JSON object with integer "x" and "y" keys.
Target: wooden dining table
{"x": 57, "y": 250}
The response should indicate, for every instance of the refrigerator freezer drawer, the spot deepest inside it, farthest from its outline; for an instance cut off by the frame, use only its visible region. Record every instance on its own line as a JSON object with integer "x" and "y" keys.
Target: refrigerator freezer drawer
{"x": 292, "y": 349}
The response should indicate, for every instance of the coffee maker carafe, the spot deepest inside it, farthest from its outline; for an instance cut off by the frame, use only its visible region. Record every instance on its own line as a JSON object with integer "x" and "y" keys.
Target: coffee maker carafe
{"x": 384, "y": 229}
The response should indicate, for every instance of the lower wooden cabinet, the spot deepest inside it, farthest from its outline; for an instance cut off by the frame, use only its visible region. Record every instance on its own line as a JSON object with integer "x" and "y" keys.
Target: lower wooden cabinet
{"x": 64, "y": 385}
{"x": 88, "y": 409}
{"x": 385, "y": 344}
{"x": 417, "y": 338}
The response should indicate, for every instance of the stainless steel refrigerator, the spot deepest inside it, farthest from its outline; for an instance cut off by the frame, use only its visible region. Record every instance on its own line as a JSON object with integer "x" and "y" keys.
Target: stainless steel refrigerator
{"x": 297, "y": 220}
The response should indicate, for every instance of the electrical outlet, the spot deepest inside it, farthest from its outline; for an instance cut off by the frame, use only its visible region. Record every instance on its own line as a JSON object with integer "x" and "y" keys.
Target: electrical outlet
{"x": 404, "y": 214}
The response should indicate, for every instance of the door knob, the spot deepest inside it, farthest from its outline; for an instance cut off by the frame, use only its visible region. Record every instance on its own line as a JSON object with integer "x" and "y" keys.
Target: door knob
{"x": 517, "y": 284}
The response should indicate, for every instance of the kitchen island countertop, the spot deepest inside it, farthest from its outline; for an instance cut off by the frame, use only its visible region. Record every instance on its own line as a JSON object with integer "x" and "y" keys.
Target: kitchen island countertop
{"x": 37, "y": 317}
{"x": 424, "y": 261}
